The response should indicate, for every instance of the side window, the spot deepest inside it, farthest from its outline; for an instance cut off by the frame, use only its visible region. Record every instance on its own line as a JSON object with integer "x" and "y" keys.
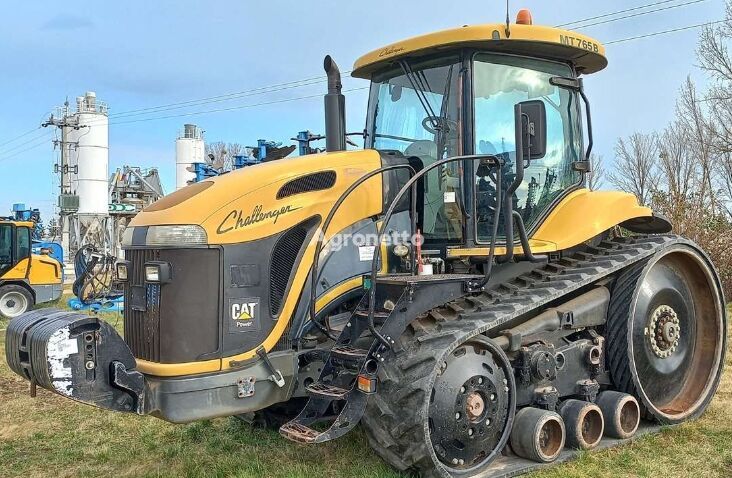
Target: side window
{"x": 23, "y": 243}
{"x": 6, "y": 247}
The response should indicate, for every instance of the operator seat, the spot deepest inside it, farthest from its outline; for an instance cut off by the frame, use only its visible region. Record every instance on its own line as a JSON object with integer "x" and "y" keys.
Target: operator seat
{"x": 426, "y": 151}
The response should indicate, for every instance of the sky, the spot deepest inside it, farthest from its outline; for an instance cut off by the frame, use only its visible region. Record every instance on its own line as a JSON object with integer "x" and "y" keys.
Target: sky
{"x": 137, "y": 54}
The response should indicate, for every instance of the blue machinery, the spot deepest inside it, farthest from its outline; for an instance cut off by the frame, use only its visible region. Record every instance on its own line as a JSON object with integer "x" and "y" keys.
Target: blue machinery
{"x": 264, "y": 151}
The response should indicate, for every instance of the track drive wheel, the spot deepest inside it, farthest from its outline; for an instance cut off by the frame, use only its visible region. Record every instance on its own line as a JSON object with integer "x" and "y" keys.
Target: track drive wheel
{"x": 667, "y": 333}
{"x": 444, "y": 407}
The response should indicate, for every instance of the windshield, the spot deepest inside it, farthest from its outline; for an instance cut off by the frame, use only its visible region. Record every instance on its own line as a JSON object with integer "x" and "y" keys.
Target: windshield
{"x": 500, "y": 82}
{"x": 415, "y": 109}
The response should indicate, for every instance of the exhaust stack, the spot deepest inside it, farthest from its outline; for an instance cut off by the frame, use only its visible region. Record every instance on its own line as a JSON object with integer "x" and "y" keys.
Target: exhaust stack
{"x": 335, "y": 108}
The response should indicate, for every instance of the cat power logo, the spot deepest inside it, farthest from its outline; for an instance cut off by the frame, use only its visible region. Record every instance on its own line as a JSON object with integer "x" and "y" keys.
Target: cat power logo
{"x": 244, "y": 314}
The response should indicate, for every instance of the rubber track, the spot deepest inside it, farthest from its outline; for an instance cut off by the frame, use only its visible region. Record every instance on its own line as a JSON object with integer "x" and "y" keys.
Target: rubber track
{"x": 617, "y": 329}
{"x": 395, "y": 420}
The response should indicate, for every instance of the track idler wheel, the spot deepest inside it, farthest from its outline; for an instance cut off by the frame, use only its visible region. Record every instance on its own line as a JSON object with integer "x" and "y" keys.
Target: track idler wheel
{"x": 621, "y": 412}
{"x": 538, "y": 435}
{"x": 584, "y": 422}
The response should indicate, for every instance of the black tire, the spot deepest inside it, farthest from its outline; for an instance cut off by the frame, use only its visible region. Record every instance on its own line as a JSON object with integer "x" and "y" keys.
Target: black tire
{"x": 397, "y": 417}
{"x": 673, "y": 380}
{"x": 11, "y": 301}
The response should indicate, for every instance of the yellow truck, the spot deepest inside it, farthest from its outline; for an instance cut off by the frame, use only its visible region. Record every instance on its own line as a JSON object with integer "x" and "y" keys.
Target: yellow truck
{"x": 26, "y": 279}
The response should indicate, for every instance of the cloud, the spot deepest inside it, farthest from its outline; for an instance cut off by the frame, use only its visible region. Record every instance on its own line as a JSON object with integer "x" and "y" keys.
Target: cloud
{"x": 67, "y": 22}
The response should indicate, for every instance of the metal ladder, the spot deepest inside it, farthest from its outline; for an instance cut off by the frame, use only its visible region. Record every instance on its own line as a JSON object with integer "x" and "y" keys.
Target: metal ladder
{"x": 347, "y": 378}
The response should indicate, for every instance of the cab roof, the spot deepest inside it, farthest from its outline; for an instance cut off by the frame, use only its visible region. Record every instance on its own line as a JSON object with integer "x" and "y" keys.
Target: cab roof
{"x": 17, "y": 223}
{"x": 586, "y": 54}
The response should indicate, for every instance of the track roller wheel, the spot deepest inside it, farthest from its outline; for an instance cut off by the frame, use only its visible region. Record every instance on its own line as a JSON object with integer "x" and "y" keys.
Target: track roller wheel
{"x": 621, "y": 412}
{"x": 584, "y": 422}
{"x": 443, "y": 408}
{"x": 666, "y": 333}
{"x": 538, "y": 435}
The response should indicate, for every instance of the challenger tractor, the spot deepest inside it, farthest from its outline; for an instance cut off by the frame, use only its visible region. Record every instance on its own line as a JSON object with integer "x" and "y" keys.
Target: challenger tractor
{"x": 454, "y": 287}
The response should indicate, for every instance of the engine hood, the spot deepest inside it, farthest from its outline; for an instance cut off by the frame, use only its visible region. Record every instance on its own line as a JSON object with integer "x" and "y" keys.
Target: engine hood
{"x": 259, "y": 201}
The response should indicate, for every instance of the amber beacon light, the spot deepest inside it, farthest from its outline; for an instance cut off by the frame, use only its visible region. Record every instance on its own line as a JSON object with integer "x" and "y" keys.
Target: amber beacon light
{"x": 524, "y": 17}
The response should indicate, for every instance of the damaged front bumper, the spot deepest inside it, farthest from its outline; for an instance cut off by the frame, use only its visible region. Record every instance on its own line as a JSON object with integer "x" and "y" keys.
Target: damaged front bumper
{"x": 85, "y": 359}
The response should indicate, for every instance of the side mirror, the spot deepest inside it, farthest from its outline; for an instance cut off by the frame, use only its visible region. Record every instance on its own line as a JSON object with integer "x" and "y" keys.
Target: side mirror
{"x": 531, "y": 123}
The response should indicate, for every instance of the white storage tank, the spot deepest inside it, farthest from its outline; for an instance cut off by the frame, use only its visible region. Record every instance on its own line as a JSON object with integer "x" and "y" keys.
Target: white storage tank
{"x": 89, "y": 155}
{"x": 189, "y": 149}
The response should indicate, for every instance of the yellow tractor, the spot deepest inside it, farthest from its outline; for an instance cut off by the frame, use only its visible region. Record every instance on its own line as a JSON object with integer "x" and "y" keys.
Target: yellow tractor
{"x": 454, "y": 287}
{"x": 26, "y": 279}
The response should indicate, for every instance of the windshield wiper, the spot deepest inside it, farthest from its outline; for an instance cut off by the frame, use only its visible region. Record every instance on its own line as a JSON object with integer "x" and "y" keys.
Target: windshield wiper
{"x": 420, "y": 92}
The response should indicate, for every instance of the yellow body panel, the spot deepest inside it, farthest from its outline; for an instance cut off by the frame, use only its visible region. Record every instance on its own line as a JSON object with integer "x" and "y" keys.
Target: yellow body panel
{"x": 579, "y": 217}
{"x": 587, "y": 54}
{"x": 44, "y": 270}
{"x": 18, "y": 272}
{"x": 338, "y": 291}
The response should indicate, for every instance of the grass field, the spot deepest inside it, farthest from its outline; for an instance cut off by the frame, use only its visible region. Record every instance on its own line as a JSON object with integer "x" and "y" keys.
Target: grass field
{"x": 53, "y": 436}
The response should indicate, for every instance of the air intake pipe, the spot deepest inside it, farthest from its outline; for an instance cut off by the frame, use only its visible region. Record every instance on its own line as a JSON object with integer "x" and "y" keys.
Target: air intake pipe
{"x": 335, "y": 108}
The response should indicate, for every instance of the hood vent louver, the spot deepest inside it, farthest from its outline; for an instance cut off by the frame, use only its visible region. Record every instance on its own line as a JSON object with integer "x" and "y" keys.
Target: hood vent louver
{"x": 311, "y": 182}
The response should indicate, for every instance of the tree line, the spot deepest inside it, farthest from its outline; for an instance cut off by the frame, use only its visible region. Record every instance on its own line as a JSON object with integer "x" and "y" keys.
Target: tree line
{"x": 684, "y": 171}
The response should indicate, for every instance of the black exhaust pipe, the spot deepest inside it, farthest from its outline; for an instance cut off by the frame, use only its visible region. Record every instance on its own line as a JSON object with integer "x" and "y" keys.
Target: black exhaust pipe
{"x": 335, "y": 108}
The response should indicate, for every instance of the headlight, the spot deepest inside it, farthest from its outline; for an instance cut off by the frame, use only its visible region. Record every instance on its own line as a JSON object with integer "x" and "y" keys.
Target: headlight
{"x": 165, "y": 236}
{"x": 175, "y": 235}
{"x": 157, "y": 272}
{"x": 401, "y": 250}
{"x": 122, "y": 271}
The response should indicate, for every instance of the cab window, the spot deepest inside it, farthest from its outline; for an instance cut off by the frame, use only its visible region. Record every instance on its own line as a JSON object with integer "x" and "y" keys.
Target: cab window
{"x": 6, "y": 247}
{"x": 22, "y": 243}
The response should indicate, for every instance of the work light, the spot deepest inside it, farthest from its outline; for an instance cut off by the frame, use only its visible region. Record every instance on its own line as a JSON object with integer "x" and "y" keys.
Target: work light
{"x": 122, "y": 271}
{"x": 157, "y": 272}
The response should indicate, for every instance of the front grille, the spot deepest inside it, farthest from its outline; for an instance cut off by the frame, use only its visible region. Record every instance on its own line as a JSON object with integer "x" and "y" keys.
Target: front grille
{"x": 142, "y": 329}
{"x": 311, "y": 182}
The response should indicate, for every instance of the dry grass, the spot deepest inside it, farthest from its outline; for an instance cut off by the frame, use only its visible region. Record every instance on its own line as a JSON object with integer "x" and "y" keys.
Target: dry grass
{"x": 52, "y": 436}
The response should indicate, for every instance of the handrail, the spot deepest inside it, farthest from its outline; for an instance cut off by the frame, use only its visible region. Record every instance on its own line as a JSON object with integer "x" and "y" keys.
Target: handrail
{"x": 329, "y": 218}
{"x": 387, "y": 216}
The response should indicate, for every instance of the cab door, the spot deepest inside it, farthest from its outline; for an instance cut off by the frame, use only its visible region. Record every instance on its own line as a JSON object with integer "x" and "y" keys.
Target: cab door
{"x": 15, "y": 251}
{"x": 6, "y": 248}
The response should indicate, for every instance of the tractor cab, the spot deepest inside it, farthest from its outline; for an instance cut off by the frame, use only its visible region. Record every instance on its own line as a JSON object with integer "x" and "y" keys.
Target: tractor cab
{"x": 455, "y": 93}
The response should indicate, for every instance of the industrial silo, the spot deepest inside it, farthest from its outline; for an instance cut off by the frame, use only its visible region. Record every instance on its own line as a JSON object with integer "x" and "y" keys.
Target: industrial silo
{"x": 90, "y": 156}
{"x": 87, "y": 140}
{"x": 189, "y": 149}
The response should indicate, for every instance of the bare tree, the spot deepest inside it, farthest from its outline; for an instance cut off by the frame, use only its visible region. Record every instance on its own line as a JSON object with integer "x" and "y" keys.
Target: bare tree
{"x": 699, "y": 136}
{"x": 685, "y": 172}
{"x": 596, "y": 176}
{"x": 635, "y": 166}
{"x": 223, "y": 154}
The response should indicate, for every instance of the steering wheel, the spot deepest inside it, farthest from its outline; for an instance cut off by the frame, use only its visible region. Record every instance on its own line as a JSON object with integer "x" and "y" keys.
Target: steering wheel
{"x": 430, "y": 120}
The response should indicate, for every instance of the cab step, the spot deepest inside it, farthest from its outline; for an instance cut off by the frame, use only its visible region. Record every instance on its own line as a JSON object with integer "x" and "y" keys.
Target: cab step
{"x": 299, "y": 433}
{"x": 379, "y": 316}
{"x": 346, "y": 352}
{"x": 324, "y": 390}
